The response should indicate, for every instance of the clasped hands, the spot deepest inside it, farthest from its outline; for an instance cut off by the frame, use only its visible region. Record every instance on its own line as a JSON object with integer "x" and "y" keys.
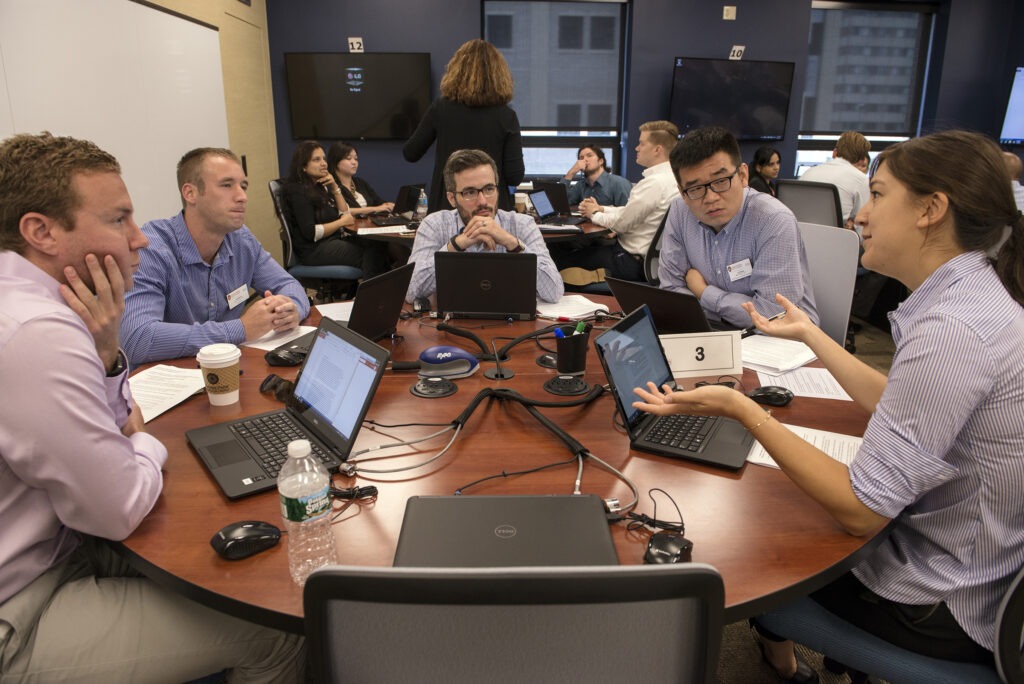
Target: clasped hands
{"x": 485, "y": 230}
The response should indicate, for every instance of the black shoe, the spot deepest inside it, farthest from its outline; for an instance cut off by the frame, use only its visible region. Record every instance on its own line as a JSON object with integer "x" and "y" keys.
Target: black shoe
{"x": 804, "y": 674}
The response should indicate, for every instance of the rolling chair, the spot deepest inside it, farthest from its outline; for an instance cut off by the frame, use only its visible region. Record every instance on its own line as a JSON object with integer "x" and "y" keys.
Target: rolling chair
{"x": 331, "y": 282}
{"x": 832, "y": 261}
{"x": 653, "y": 252}
{"x": 811, "y": 201}
{"x": 650, "y": 623}
{"x": 807, "y": 623}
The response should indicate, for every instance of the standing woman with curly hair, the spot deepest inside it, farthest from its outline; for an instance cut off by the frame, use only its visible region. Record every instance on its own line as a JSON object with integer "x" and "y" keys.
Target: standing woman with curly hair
{"x": 472, "y": 113}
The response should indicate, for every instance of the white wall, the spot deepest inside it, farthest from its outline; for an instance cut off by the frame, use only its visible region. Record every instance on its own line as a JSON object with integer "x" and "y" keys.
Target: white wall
{"x": 143, "y": 84}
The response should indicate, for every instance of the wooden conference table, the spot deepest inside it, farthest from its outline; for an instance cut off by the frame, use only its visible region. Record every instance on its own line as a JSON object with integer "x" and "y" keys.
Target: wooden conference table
{"x": 770, "y": 542}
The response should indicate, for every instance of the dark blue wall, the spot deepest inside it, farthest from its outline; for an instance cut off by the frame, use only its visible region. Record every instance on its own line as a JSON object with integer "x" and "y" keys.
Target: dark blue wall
{"x": 969, "y": 76}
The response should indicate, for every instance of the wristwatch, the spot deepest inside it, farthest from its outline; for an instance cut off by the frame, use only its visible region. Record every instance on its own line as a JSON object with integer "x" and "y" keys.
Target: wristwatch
{"x": 120, "y": 365}
{"x": 518, "y": 248}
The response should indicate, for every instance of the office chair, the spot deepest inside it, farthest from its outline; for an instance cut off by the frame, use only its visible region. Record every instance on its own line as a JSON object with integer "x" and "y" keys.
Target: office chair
{"x": 832, "y": 261}
{"x": 807, "y": 623}
{"x": 331, "y": 282}
{"x": 653, "y": 252}
{"x": 811, "y": 201}
{"x": 649, "y": 623}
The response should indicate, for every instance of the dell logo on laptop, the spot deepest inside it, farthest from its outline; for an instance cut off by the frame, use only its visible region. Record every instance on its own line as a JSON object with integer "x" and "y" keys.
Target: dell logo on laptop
{"x": 505, "y": 531}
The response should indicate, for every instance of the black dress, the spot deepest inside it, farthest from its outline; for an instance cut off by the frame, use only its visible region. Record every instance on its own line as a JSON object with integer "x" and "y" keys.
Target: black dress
{"x": 307, "y": 206}
{"x": 454, "y": 126}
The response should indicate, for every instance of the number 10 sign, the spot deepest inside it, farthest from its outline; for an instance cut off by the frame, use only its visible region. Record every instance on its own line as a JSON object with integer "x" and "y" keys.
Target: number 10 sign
{"x": 696, "y": 354}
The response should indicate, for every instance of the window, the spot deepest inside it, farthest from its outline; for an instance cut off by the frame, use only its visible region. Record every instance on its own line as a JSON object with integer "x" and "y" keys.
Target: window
{"x": 567, "y": 62}
{"x": 865, "y": 69}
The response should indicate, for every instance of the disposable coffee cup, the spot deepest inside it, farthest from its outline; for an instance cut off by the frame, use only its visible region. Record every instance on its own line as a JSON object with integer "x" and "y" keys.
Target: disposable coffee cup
{"x": 521, "y": 202}
{"x": 219, "y": 363}
{"x": 571, "y": 358}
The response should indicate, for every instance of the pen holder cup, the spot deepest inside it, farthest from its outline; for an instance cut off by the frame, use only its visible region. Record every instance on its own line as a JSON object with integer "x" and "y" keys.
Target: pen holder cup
{"x": 571, "y": 350}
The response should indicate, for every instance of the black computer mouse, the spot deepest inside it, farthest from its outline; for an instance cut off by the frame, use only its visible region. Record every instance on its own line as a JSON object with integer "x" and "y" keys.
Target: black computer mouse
{"x": 242, "y": 539}
{"x": 284, "y": 357}
{"x": 668, "y": 546}
{"x": 772, "y": 395}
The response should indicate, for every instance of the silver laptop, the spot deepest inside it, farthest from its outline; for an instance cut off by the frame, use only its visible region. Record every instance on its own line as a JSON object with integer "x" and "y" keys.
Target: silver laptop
{"x": 632, "y": 356}
{"x": 334, "y": 389}
{"x": 486, "y": 284}
{"x": 502, "y": 531}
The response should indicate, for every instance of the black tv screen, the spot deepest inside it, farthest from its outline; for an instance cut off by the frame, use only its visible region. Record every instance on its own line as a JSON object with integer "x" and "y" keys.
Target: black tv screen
{"x": 1013, "y": 123}
{"x": 750, "y": 98}
{"x": 357, "y": 96}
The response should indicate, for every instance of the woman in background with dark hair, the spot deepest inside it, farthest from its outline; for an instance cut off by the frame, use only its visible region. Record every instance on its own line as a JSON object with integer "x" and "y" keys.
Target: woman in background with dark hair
{"x": 765, "y": 169}
{"x": 472, "y": 113}
{"x": 361, "y": 198}
{"x": 318, "y": 216}
{"x": 940, "y": 460}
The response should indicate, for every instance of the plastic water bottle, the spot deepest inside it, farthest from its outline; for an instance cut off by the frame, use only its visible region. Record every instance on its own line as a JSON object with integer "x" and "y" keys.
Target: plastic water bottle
{"x": 421, "y": 206}
{"x": 304, "y": 484}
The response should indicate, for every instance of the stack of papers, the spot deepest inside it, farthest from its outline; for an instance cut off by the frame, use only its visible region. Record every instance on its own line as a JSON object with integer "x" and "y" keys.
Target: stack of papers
{"x": 273, "y": 340}
{"x": 402, "y": 229}
{"x": 773, "y": 355}
{"x": 162, "y": 387}
{"x": 572, "y": 306}
{"x": 840, "y": 447}
{"x": 817, "y": 383}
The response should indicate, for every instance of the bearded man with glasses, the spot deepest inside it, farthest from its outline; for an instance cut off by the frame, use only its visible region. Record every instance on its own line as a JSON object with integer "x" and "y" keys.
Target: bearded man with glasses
{"x": 475, "y": 225}
{"x": 727, "y": 244}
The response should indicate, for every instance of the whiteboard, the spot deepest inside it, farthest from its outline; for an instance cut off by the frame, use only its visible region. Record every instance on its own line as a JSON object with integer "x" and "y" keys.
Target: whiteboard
{"x": 143, "y": 84}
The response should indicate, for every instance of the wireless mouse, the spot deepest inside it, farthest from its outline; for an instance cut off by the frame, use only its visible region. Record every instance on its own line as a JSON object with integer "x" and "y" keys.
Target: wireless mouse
{"x": 772, "y": 395}
{"x": 284, "y": 357}
{"x": 447, "y": 362}
{"x": 242, "y": 539}
{"x": 668, "y": 546}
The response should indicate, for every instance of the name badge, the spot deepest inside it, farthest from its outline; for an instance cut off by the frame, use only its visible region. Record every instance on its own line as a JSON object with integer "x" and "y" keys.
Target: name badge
{"x": 238, "y": 296}
{"x": 697, "y": 354}
{"x": 739, "y": 270}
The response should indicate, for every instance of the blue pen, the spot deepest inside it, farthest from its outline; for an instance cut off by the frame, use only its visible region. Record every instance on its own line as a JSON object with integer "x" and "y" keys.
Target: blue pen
{"x": 559, "y": 334}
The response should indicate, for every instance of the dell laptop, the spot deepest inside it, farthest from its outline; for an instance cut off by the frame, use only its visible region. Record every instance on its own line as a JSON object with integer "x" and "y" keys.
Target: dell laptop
{"x": 332, "y": 393}
{"x": 632, "y": 356}
{"x": 375, "y": 309}
{"x": 405, "y": 206}
{"x": 673, "y": 312}
{"x": 504, "y": 531}
{"x": 547, "y": 214}
{"x": 486, "y": 285}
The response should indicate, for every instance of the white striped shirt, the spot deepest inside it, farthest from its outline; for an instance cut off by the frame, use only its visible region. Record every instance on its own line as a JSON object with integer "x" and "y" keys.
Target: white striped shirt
{"x": 944, "y": 450}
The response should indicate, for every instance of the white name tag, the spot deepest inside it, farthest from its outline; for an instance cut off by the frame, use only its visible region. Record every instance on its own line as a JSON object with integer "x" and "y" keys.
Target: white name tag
{"x": 739, "y": 270}
{"x": 696, "y": 354}
{"x": 238, "y": 296}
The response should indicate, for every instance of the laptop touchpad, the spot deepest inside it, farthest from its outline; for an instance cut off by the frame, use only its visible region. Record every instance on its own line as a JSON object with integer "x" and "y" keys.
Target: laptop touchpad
{"x": 226, "y": 453}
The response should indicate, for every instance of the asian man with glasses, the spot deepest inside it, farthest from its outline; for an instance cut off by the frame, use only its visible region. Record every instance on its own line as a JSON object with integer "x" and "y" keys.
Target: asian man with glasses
{"x": 727, "y": 244}
{"x": 476, "y": 224}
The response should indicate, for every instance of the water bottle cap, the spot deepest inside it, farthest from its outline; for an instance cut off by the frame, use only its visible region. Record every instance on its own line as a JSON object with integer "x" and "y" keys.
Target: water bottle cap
{"x": 300, "y": 447}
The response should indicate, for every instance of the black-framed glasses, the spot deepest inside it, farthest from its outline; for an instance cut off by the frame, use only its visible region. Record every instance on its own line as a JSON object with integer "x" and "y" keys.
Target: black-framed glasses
{"x": 469, "y": 194}
{"x": 719, "y": 185}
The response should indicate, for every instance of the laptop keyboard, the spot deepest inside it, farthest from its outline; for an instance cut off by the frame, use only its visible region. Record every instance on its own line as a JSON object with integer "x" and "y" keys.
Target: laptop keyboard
{"x": 268, "y": 437}
{"x": 681, "y": 431}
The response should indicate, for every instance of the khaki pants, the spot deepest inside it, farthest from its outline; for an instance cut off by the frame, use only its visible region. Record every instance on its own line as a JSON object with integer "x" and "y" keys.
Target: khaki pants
{"x": 92, "y": 618}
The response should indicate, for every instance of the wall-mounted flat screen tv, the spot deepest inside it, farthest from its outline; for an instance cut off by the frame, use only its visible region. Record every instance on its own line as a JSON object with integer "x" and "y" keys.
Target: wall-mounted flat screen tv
{"x": 357, "y": 96}
{"x": 750, "y": 98}
{"x": 1013, "y": 122}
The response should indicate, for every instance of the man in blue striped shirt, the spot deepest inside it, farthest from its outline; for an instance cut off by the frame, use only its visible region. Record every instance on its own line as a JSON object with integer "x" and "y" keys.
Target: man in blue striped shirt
{"x": 193, "y": 281}
{"x": 726, "y": 244}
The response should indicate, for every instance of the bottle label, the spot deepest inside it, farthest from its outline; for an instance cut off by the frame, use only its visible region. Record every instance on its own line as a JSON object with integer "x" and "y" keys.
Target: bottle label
{"x": 305, "y": 508}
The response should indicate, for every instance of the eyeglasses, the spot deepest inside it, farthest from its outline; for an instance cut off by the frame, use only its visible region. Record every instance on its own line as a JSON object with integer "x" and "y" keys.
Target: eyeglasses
{"x": 719, "y": 185}
{"x": 470, "y": 194}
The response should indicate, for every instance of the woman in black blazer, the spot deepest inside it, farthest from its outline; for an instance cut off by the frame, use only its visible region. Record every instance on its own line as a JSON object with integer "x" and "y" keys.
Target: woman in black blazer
{"x": 362, "y": 199}
{"x": 472, "y": 113}
{"x": 765, "y": 169}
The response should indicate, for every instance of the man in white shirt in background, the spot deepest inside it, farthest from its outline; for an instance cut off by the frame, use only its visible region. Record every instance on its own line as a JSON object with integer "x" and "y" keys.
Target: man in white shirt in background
{"x": 635, "y": 224}
{"x": 840, "y": 171}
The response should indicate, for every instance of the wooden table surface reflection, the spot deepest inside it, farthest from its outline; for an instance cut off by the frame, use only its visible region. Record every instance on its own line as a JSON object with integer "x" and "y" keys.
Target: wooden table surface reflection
{"x": 770, "y": 542}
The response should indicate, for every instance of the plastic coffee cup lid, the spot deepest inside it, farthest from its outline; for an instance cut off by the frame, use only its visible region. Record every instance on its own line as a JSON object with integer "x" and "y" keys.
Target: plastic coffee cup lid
{"x": 219, "y": 353}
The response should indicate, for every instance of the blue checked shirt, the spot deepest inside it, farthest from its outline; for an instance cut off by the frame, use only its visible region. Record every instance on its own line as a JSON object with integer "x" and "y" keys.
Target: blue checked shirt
{"x": 943, "y": 453}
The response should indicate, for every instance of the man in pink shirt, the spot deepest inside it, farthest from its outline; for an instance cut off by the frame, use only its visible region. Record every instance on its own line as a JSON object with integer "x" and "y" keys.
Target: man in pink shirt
{"x": 76, "y": 465}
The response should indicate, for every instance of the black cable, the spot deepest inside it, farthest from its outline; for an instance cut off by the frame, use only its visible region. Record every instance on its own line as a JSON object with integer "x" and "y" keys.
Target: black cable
{"x": 503, "y": 473}
{"x": 638, "y": 520}
{"x": 368, "y": 421}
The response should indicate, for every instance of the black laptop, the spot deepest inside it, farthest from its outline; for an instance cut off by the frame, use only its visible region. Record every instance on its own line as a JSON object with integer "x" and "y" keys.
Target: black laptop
{"x": 547, "y": 214}
{"x": 673, "y": 312}
{"x": 405, "y": 206}
{"x": 486, "y": 284}
{"x": 334, "y": 389}
{"x": 632, "y": 356}
{"x": 558, "y": 193}
{"x": 375, "y": 309}
{"x": 503, "y": 531}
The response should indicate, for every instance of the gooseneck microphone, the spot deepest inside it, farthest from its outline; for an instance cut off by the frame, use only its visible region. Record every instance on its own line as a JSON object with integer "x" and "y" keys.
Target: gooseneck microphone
{"x": 498, "y": 373}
